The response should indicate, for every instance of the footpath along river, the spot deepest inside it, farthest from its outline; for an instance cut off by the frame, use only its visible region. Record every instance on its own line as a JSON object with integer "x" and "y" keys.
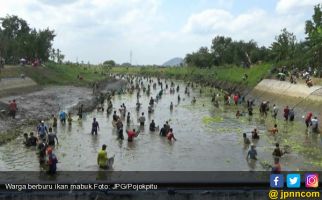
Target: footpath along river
{"x": 208, "y": 139}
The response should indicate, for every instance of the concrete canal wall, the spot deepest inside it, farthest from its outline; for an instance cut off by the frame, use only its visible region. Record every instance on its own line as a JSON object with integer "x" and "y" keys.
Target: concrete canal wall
{"x": 286, "y": 89}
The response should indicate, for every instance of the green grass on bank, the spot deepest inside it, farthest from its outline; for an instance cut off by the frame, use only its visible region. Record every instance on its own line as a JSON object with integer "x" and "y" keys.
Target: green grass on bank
{"x": 229, "y": 74}
{"x": 54, "y": 74}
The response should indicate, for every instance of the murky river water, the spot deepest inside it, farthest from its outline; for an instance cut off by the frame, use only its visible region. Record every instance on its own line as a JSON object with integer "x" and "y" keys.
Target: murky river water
{"x": 208, "y": 138}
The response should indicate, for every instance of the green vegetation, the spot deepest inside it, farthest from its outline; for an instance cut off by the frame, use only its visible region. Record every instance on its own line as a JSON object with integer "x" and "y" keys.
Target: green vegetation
{"x": 225, "y": 51}
{"x": 18, "y": 40}
{"x": 285, "y": 50}
{"x": 109, "y": 63}
{"x": 10, "y": 135}
{"x": 57, "y": 74}
{"x": 4, "y": 138}
{"x": 222, "y": 62}
{"x": 63, "y": 74}
{"x": 229, "y": 74}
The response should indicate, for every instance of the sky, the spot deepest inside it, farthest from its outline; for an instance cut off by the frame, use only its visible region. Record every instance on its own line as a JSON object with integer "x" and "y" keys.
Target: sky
{"x": 156, "y": 30}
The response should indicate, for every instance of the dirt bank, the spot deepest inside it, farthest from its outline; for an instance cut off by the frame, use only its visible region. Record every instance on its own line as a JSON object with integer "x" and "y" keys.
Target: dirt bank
{"x": 103, "y": 87}
{"x": 40, "y": 105}
{"x": 16, "y": 86}
{"x": 11, "y": 83}
{"x": 231, "y": 87}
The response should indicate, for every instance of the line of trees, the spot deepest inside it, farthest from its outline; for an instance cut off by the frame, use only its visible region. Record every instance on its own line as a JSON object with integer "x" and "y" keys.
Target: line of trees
{"x": 225, "y": 51}
{"x": 18, "y": 40}
{"x": 285, "y": 50}
{"x": 56, "y": 55}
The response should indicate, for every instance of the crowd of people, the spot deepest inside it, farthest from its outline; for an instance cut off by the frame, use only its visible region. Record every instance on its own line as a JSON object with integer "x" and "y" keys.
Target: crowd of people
{"x": 288, "y": 114}
{"x": 44, "y": 142}
{"x": 312, "y": 126}
{"x": 122, "y": 116}
{"x": 46, "y": 138}
{"x": 294, "y": 74}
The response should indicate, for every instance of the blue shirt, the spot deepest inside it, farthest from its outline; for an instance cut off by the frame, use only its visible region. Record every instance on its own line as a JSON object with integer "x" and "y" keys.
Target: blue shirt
{"x": 252, "y": 153}
{"x": 52, "y": 160}
{"x": 62, "y": 115}
{"x": 42, "y": 129}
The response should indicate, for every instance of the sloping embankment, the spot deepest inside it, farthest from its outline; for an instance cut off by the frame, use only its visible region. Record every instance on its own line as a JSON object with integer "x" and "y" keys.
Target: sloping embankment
{"x": 14, "y": 86}
{"x": 286, "y": 89}
{"x": 40, "y": 105}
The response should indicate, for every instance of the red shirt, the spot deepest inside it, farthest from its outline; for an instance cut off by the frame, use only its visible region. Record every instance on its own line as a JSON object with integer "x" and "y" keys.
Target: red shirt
{"x": 308, "y": 117}
{"x": 170, "y": 136}
{"x": 277, "y": 168}
{"x": 236, "y": 98}
{"x": 13, "y": 106}
{"x": 286, "y": 111}
{"x": 131, "y": 134}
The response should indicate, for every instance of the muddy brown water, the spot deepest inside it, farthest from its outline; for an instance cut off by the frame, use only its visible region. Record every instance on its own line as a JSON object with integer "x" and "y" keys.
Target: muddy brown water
{"x": 209, "y": 138}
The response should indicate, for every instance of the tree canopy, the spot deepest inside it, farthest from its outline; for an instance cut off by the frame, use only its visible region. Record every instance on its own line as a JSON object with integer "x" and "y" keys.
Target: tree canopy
{"x": 284, "y": 46}
{"x": 313, "y": 29}
{"x": 18, "y": 40}
{"x": 110, "y": 63}
{"x": 284, "y": 50}
{"x": 226, "y": 51}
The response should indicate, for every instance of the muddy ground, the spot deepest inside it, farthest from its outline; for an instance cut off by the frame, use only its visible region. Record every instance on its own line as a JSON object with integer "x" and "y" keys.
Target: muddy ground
{"x": 40, "y": 105}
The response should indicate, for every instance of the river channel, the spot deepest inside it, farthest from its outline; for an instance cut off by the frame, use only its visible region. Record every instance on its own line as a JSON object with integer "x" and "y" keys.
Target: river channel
{"x": 208, "y": 139}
